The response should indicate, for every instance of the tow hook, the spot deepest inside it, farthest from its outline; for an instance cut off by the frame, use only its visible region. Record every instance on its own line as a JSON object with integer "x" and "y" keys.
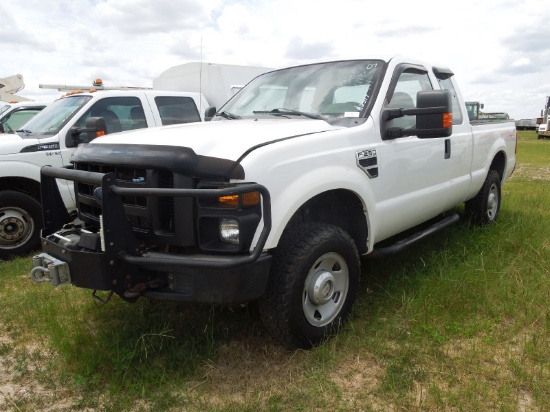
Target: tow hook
{"x": 49, "y": 269}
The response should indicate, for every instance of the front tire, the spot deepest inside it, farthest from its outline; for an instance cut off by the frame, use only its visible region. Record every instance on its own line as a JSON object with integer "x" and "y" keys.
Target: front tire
{"x": 484, "y": 208}
{"x": 20, "y": 223}
{"x": 312, "y": 285}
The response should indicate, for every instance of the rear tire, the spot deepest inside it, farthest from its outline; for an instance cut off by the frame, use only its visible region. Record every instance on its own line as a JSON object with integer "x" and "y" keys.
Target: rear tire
{"x": 20, "y": 223}
{"x": 312, "y": 285}
{"x": 484, "y": 208}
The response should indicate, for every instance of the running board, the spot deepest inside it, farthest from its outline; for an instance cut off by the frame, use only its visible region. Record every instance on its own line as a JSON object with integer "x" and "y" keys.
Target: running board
{"x": 405, "y": 243}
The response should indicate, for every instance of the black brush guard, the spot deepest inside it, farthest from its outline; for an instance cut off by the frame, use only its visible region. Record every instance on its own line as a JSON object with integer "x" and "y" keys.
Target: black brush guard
{"x": 207, "y": 278}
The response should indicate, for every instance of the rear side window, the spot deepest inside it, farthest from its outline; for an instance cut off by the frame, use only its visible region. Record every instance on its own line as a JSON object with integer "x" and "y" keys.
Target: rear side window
{"x": 445, "y": 81}
{"x": 177, "y": 109}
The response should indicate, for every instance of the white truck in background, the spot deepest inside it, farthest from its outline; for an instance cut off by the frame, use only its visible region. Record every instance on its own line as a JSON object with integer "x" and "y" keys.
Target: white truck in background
{"x": 303, "y": 171}
{"x": 52, "y": 135}
{"x": 543, "y": 130}
{"x": 15, "y": 115}
{"x": 15, "y": 110}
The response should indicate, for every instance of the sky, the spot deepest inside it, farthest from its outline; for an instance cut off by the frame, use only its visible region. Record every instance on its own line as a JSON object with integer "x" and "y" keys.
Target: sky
{"x": 499, "y": 50}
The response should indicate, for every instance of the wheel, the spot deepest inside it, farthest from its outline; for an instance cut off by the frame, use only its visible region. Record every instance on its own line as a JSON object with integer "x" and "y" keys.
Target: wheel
{"x": 312, "y": 285}
{"x": 20, "y": 223}
{"x": 485, "y": 206}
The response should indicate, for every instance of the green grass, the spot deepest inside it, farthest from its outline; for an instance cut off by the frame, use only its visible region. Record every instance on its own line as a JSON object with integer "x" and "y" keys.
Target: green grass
{"x": 458, "y": 322}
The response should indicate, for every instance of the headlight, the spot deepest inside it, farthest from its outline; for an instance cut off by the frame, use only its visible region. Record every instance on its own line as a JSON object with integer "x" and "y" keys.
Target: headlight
{"x": 229, "y": 230}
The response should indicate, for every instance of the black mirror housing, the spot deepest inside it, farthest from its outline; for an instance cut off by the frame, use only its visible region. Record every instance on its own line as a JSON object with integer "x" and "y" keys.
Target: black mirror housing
{"x": 433, "y": 116}
{"x": 209, "y": 113}
{"x": 95, "y": 126}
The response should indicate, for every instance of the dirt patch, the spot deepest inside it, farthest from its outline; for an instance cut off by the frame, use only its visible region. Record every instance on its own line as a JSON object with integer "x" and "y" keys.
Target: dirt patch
{"x": 525, "y": 171}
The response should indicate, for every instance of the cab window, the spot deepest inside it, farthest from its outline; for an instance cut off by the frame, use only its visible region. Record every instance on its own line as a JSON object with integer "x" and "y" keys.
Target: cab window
{"x": 445, "y": 82}
{"x": 409, "y": 82}
{"x": 177, "y": 109}
{"x": 120, "y": 114}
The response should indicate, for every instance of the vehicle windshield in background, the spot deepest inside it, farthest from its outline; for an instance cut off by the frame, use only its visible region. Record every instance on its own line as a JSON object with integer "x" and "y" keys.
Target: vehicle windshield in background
{"x": 50, "y": 120}
{"x": 4, "y": 108}
{"x": 321, "y": 91}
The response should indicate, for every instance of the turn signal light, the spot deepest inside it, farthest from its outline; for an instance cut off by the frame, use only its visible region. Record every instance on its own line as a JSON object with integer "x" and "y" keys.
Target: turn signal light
{"x": 248, "y": 199}
{"x": 447, "y": 120}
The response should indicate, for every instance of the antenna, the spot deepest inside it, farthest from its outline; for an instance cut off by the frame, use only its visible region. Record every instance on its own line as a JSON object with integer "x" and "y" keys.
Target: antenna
{"x": 200, "y": 82}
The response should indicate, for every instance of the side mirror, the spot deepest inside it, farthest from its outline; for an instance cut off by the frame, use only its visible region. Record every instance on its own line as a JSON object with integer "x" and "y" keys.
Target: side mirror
{"x": 2, "y": 128}
{"x": 209, "y": 113}
{"x": 433, "y": 116}
{"x": 95, "y": 127}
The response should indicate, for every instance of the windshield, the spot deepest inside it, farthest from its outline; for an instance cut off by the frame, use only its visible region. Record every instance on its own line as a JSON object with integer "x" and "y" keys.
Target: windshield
{"x": 325, "y": 91}
{"x": 50, "y": 120}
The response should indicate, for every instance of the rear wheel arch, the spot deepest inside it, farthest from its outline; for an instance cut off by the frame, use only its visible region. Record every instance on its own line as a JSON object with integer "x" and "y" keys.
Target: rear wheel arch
{"x": 499, "y": 164}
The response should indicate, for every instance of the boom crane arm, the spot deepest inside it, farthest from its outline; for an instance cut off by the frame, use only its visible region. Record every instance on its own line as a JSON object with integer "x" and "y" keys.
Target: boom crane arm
{"x": 11, "y": 85}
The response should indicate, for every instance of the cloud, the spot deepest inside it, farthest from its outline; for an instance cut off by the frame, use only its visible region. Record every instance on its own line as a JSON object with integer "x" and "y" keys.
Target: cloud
{"x": 533, "y": 39}
{"x": 160, "y": 16}
{"x": 298, "y": 50}
{"x": 14, "y": 37}
{"x": 405, "y": 31}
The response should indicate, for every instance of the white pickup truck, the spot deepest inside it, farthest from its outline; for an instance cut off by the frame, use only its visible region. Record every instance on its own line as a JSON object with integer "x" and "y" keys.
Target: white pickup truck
{"x": 13, "y": 116}
{"x": 52, "y": 135}
{"x": 299, "y": 174}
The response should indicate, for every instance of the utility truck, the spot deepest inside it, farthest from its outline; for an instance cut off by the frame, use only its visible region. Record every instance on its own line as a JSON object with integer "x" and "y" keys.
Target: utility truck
{"x": 11, "y": 85}
{"x": 302, "y": 172}
{"x": 543, "y": 131}
{"x": 51, "y": 137}
{"x": 15, "y": 110}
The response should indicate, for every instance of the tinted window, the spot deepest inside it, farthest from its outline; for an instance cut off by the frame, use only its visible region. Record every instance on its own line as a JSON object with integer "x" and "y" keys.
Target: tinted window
{"x": 176, "y": 110}
{"x": 120, "y": 114}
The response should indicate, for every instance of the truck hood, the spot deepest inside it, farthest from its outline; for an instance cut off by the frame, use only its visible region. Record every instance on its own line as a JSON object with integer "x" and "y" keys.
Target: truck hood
{"x": 227, "y": 139}
{"x": 11, "y": 143}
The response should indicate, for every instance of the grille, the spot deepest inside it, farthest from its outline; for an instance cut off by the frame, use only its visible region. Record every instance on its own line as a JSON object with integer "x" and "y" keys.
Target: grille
{"x": 166, "y": 204}
{"x": 138, "y": 208}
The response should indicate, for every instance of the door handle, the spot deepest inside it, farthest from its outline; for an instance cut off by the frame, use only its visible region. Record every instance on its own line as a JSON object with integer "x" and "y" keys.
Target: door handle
{"x": 447, "y": 148}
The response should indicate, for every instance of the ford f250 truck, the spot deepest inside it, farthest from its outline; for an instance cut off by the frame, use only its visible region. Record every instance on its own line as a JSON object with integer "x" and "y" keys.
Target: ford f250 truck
{"x": 275, "y": 200}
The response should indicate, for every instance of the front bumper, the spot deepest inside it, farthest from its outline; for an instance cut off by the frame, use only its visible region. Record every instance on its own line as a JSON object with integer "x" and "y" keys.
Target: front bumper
{"x": 112, "y": 260}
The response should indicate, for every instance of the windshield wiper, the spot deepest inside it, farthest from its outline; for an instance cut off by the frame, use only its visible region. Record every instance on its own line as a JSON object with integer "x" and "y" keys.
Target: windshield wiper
{"x": 24, "y": 131}
{"x": 227, "y": 115}
{"x": 282, "y": 111}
